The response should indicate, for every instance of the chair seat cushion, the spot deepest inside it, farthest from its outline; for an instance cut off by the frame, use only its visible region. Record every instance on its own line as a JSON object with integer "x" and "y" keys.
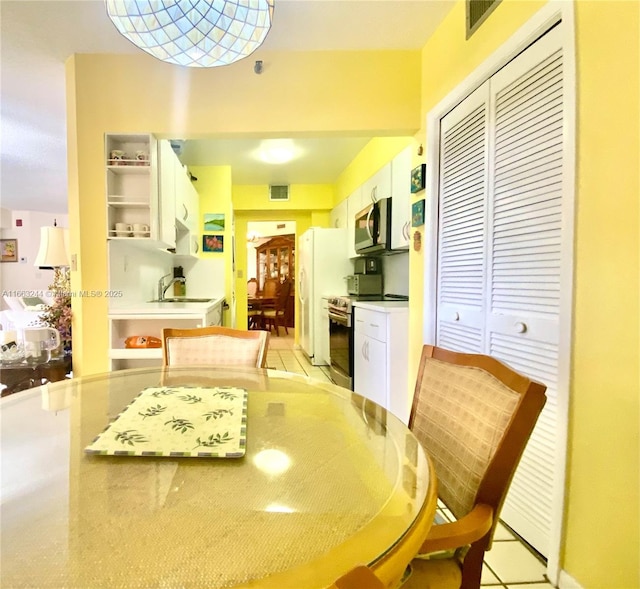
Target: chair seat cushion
{"x": 272, "y": 313}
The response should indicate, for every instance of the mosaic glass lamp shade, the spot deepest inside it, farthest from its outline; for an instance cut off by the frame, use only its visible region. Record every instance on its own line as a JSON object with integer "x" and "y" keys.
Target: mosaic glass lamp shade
{"x": 194, "y": 33}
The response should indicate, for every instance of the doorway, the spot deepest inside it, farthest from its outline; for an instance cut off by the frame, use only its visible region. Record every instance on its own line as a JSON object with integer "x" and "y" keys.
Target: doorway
{"x": 271, "y": 247}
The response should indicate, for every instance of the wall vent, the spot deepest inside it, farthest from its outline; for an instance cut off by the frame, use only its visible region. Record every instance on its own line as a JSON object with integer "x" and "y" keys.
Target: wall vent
{"x": 279, "y": 192}
{"x": 477, "y": 13}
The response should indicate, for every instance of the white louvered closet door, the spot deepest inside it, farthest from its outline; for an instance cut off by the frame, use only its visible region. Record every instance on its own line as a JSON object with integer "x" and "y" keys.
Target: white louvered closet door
{"x": 525, "y": 249}
{"x": 521, "y": 244}
{"x": 461, "y": 307}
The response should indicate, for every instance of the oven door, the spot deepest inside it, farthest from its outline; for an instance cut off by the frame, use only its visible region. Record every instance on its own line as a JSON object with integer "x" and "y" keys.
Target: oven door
{"x": 341, "y": 349}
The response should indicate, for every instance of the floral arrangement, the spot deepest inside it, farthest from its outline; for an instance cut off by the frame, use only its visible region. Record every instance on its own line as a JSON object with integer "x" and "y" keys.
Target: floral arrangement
{"x": 58, "y": 313}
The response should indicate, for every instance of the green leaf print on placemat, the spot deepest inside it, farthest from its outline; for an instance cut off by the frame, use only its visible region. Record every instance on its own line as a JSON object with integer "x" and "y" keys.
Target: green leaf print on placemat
{"x": 178, "y": 421}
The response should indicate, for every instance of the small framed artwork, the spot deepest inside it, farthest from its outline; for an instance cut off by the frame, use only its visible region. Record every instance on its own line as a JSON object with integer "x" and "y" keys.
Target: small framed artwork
{"x": 417, "y": 213}
{"x": 214, "y": 221}
{"x": 417, "y": 178}
{"x": 8, "y": 250}
{"x": 213, "y": 243}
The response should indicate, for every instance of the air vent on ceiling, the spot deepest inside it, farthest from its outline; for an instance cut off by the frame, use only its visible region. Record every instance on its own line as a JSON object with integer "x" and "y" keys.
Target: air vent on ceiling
{"x": 477, "y": 12}
{"x": 279, "y": 192}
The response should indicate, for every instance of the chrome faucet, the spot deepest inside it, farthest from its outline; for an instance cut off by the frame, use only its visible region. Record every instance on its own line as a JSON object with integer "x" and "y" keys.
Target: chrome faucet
{"x": 162, "y": 289}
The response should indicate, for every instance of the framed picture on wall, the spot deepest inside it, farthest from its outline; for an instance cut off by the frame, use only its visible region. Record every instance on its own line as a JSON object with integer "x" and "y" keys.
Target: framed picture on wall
{"x": 417, "y": 178}
{"x": 8, "y": 250}
{"x": 213, "y": 243}
{"x": 417, "y": 213}
{"x": 214, "y": 221}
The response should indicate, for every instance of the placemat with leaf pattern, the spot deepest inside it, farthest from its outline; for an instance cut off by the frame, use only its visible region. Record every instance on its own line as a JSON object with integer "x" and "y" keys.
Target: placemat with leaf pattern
{"x": 178, "y": 421}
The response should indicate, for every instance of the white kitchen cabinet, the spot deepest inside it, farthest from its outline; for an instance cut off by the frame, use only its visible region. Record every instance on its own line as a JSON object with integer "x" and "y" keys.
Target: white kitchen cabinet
{"x": 380, "y": 350}
{"x": 338, "y": 217}
{"x": 354, "y": 206}
{"x": 378, "y": 186}
{"x": 135, "y": 209}
{"x": 401, "y": 196}
{"x": 187, "y": 244}
{"x": 187, "y": 200}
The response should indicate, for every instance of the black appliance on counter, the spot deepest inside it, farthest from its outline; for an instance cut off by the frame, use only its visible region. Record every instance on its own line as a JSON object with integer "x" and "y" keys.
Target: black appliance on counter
{"x": 341, "y": 335}
{"x": 367, "y": 265}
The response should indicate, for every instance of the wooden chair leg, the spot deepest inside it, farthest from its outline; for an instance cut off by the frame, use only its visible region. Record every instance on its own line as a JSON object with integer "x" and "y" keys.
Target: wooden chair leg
{"x": 472, "y": 566}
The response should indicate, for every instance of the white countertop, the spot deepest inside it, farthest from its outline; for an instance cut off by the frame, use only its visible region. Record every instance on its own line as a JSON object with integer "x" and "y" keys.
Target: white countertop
{"x": 384, "y": 306}
{"x": 143, "y": 308}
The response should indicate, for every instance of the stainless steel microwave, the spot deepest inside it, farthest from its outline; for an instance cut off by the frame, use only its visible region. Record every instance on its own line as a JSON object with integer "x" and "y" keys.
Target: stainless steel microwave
{"x": 373, "y": 228}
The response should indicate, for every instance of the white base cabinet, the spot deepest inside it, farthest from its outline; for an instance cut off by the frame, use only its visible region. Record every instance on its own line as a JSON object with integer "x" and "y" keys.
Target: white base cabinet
{"x": 380, "y": 355}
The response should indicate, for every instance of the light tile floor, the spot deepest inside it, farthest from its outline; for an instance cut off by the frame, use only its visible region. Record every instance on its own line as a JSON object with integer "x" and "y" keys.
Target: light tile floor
{"x": 510, "y": 564}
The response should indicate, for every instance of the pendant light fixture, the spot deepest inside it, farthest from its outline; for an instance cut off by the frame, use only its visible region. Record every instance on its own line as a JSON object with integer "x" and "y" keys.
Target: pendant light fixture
{"x": 194, "y": 33}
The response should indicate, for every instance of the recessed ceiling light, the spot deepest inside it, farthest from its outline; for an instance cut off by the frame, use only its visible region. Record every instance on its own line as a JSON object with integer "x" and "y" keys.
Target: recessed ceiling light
{"x": 277, "y": 151}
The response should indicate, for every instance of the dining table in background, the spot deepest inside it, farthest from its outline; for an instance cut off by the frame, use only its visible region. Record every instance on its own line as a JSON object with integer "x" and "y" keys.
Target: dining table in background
{"x": 328, "y": 481}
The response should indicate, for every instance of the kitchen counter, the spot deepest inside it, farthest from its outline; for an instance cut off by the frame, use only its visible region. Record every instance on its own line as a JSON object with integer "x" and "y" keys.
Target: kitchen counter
{"x": 144, "y": 308}
{"x": 383, "y": 306}
{"x": 148, "y": 319}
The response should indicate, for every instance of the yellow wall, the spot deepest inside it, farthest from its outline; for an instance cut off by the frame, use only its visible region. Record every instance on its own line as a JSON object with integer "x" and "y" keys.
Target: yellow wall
{"x": 601, "y": 543}
{"x": 214, "y": 189}
{"x": 603, "y": 515}
{"x": 375, "y": 154}
{"x": 301, "y": 197}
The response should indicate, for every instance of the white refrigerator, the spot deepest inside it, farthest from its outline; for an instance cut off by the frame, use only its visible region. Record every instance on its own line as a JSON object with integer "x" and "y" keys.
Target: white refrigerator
{"x": 323, "y": 267}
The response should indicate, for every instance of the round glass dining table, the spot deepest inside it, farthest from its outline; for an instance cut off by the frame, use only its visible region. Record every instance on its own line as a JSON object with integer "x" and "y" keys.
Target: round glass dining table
{"x": 319, "y": 480}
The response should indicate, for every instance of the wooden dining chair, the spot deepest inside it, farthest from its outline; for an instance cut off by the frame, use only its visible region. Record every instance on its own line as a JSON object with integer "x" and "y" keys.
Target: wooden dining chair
{"x": 270, "y": 289}
{"x": 214, "y": 346}
{"x": 254, "y": 311}
{"x": 277, "y": 316}
{"x": 473, "y": 415}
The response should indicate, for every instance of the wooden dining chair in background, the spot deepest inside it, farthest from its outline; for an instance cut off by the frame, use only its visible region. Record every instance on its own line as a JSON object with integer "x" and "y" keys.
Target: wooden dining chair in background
{"x": 276, "y": 316}
{"x": 473, "y": 415}
{"x": 270, "y": 289}
{"x": 254, "y": 311}
{"x": 214, "y": 346}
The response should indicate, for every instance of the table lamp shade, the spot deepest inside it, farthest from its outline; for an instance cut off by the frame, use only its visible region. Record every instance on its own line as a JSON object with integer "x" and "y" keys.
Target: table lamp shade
{"x": 54, "y": 247}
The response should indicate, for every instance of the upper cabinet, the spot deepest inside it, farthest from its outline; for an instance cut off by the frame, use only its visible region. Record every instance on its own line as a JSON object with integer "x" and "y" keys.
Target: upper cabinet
{"x": 378, "y": 186}
{"x": 187, "y": 207}
{"x": 400, "y": 208}
{"x": 134, "y": 203}
{"x": 339, "y": 214}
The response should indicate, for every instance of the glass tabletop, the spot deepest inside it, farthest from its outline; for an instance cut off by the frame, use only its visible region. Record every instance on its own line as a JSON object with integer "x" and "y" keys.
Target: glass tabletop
{"x": 328, "y": 480}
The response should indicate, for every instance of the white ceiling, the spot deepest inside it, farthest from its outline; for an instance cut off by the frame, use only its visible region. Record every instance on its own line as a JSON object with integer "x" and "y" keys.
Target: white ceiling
{"x": 36, "y": 37}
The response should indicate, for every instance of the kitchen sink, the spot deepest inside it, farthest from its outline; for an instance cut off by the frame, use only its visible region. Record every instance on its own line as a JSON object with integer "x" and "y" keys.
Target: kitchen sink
{"x": 181, "y": 300}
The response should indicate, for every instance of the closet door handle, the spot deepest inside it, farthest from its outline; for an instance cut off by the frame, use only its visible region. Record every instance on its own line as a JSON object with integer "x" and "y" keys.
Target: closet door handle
{"x": 520, "y": 327}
